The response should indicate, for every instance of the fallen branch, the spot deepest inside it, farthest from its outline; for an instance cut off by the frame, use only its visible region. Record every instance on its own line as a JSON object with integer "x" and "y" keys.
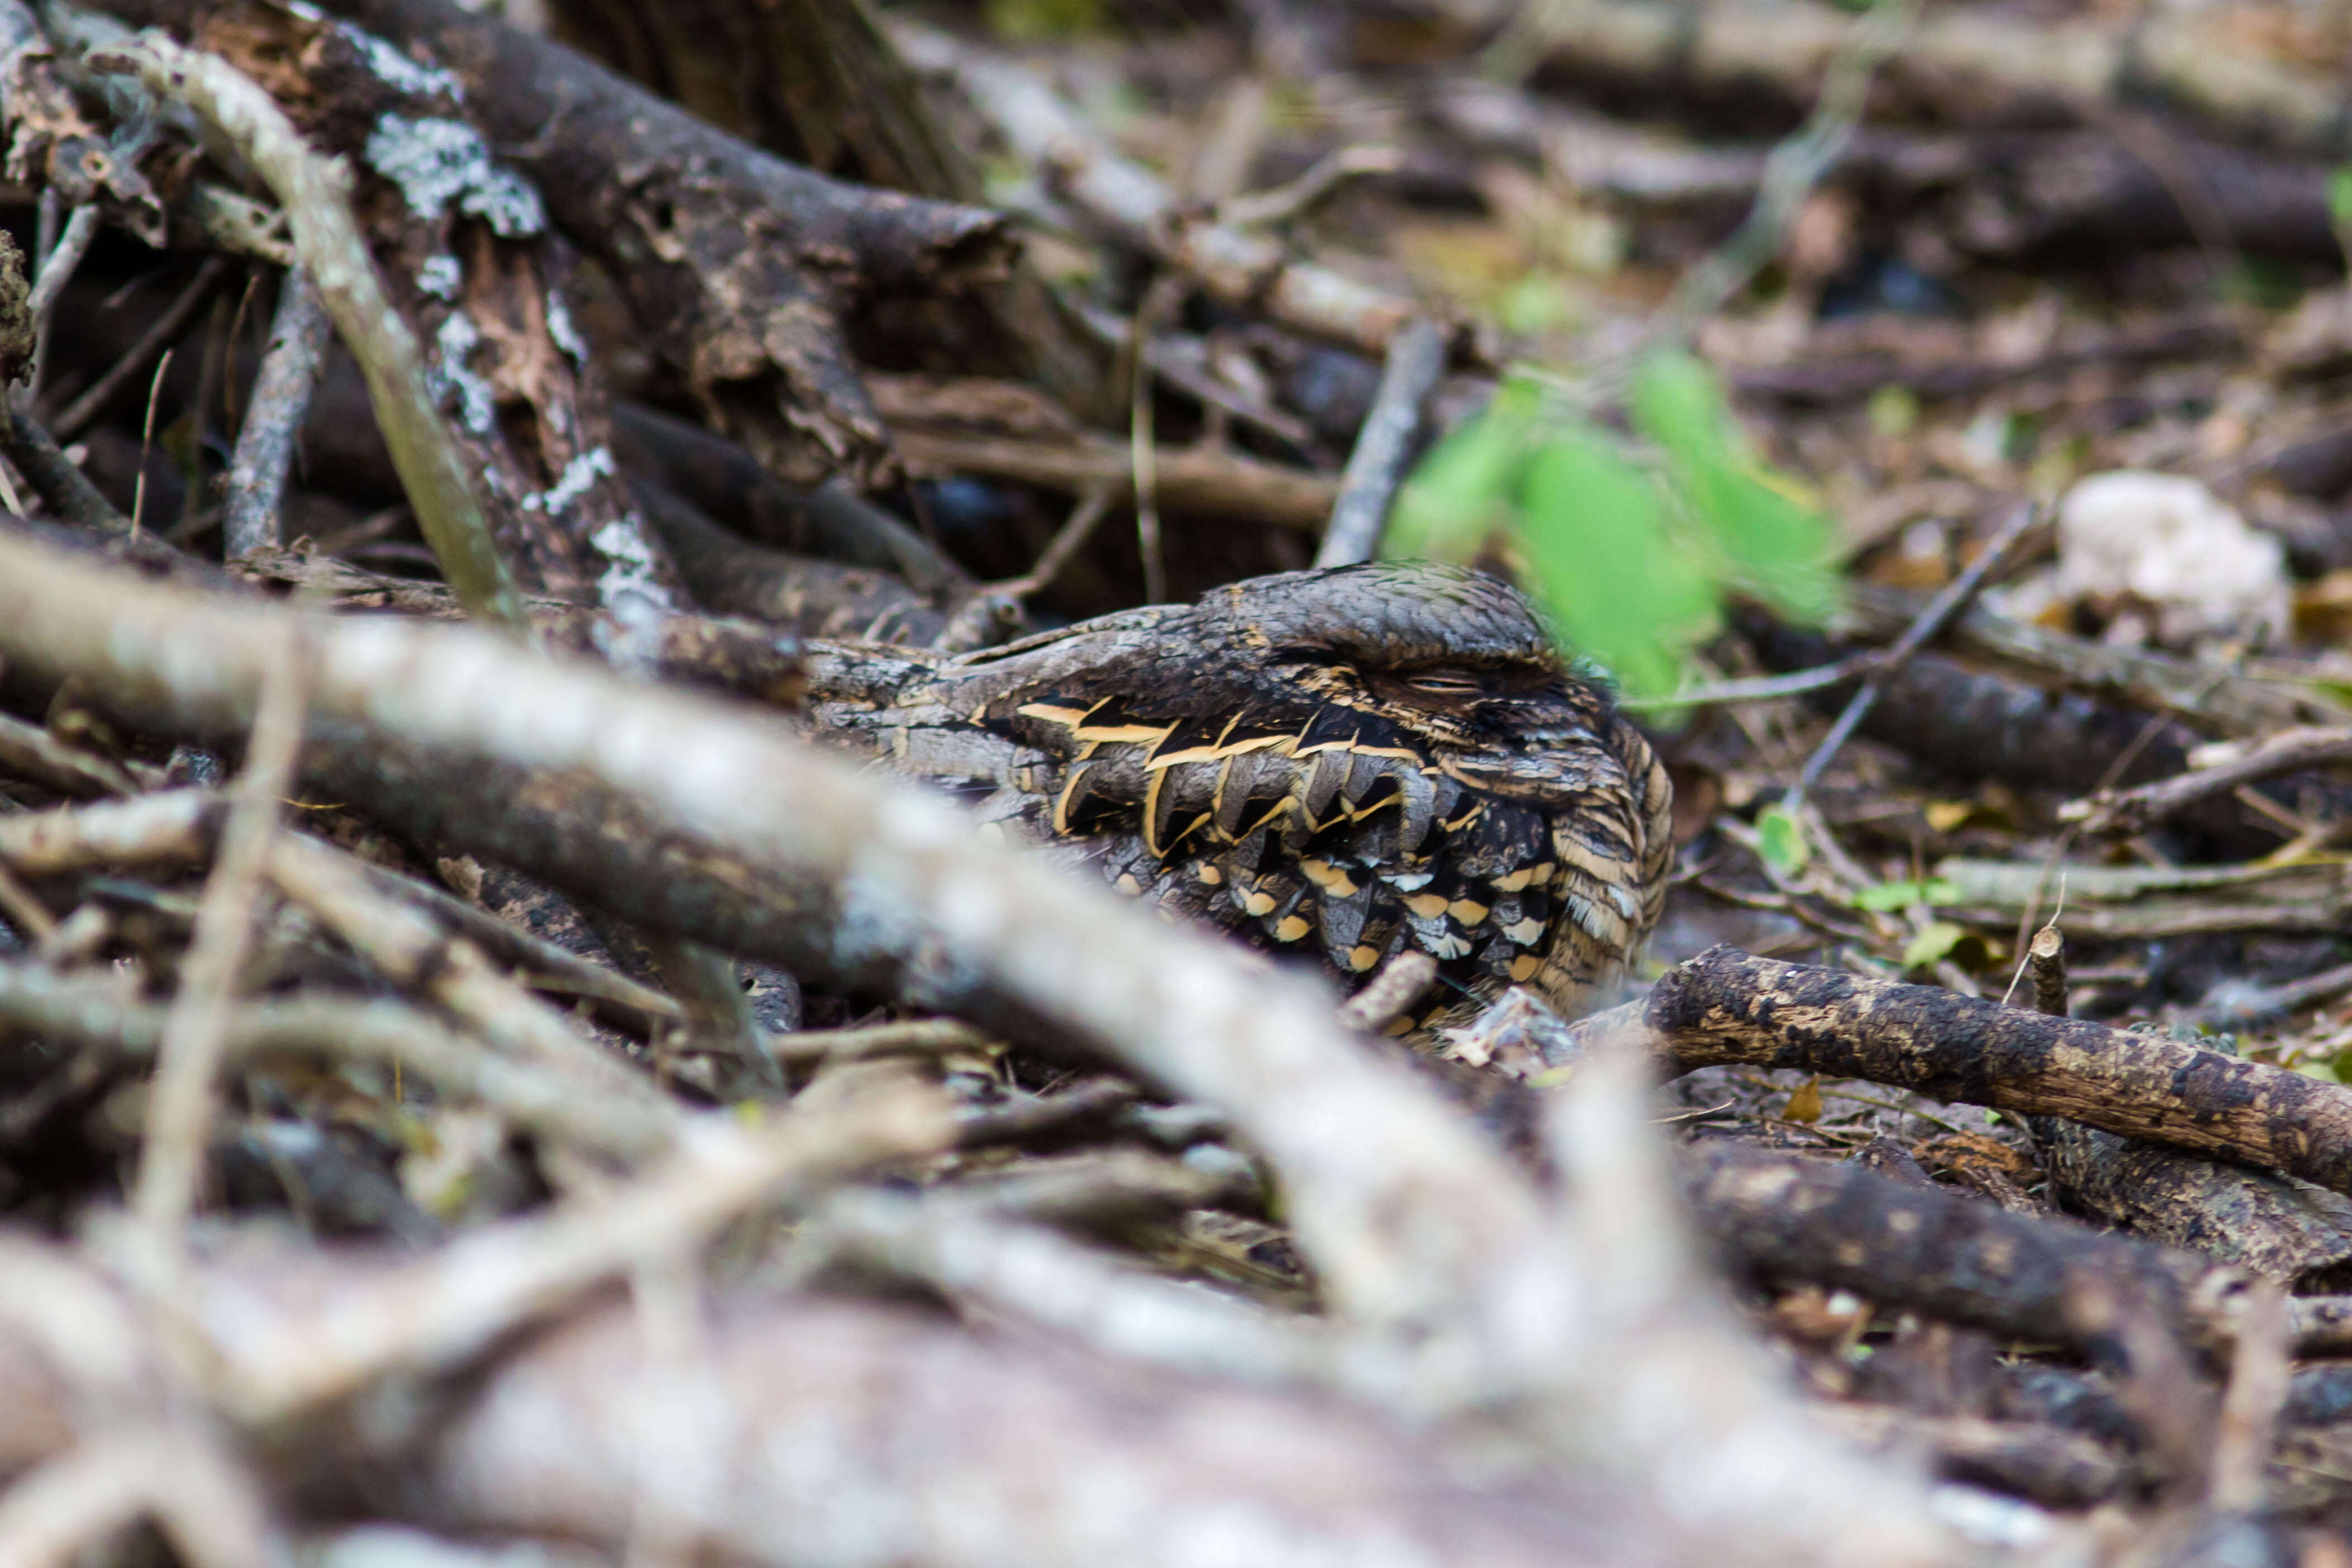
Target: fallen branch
{"x": 1416, "y": 358}
{"x": 1725, "y": 1007}
{"x": 2287, "y": 751}
{"x": 1937, "y": 1251}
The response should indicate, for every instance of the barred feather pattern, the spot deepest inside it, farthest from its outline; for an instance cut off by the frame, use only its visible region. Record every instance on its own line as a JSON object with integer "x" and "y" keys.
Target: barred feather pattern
{"x": 1338, "y": 764}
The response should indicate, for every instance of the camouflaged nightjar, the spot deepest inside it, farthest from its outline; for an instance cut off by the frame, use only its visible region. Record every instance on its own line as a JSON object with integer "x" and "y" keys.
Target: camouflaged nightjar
{"x": 1340, "y": 762}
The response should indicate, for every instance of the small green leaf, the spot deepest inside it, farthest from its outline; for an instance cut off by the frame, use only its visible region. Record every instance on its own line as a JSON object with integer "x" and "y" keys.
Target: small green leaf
{"x": 1779, "y": 547}
{"x": 1599, "y": 559}
{"x": 1894, "y": 410}
{"x": 1890, "y": 896}
{"x": 1936, "y": 940}
{"x": 1780, "y": 840}
{"x": 1466, "y": 490}
{"x": 2339, "y": 194}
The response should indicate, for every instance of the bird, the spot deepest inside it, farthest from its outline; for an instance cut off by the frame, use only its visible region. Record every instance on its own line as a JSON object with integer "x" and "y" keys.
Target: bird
{"x": 1344, "y": 764}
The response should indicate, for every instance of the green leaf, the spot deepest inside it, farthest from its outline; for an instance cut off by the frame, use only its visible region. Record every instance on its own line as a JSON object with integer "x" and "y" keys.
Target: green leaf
{"x": 1779, "y": 547}
{"x": 2339, "y": 194}
{"x": 1600, "y": 560}
{"x": 1890, "y": 896}
{"x": 1936, "y": 940}
{"x": 1467, "y": 489}
{"x": 1780, "y": 840}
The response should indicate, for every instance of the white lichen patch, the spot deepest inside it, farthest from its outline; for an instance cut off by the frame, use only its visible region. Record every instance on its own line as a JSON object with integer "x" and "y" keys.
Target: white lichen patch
{"x": 449, "y": 378}
{"x": 629, "y": 634}
{"x": 440, "y": 276}
{"x": 396, "y": 69}
{"x": 578, "y": 474}
{"x": 563, "y": 329}
{"x": 437, "y": 162}
{"x": 629, "y": 581}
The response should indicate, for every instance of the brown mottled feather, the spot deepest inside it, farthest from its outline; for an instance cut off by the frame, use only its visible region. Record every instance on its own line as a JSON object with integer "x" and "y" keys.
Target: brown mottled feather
{"x": 1336, "y": 764}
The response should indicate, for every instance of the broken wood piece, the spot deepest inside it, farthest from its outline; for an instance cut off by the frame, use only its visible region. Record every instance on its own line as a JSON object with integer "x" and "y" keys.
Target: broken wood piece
{"x": 2258, "y": 1221}
{"x": 1976, "y": 67}
{"x": 1936, "y": 1251}
{"x": 1725, "y": 1006}
{"x": 2045, "y": 956}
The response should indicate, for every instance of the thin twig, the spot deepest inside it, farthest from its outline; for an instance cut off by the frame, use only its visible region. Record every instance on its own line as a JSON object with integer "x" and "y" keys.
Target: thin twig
{"x": 1142, "y": 452}
{"x": 1067, "y": 541}
{"x": 57, "y": 269}
{"x": 63, "y": 487}
{"x": 1954, "y": 598}
{"x": 2289, "y": 750}
{"x": 2257, "y": 1390}
{"x": 299, "y": 336}
{"x": 180, "y": 1114}
{"x": 1416, "y": 358}
{"x": 147, "y": 440}
{"x": 1760, "y": 689}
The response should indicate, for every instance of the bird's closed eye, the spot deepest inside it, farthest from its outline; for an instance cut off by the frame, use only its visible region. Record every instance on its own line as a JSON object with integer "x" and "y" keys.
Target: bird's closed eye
{"x": 1441, "y": 682}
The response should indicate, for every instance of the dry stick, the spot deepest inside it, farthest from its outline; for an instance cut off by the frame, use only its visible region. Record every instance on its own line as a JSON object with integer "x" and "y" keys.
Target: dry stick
{"x": 57, "y": 269}
{"x": 979, "y": 1257}
{"x": 1758, "y": 688}
{"x": 316, "y": 193}
{"x": 415, "y": 951}
{"x": 187, "y": 1076}
{"x": 1401, "y": 982}
{"x": 2288, "y": 752}
{"x": 1416, "y": 358}
{"x": 1950, "y": 602}
{"x": 93, "y": 1014}
{"x": 30, "y": 752}
{"x": 2046, "y": 957}
{"x": 1725, "y": 1006}
{"x": 178, "y": 827}
{"x": 23, "y": 911}
{"x": 2258, "y": 1371}
{"x": 1934, "y": 1251}
{"x": 1648, "y": 1281}
{"x": 147, "y": 441}
{"x": 204, "y": 1503}
{"x": 448, "y": 1307}
{"x": 1059, "y": 551}
{"x": 299, "y": 336}
{"x": 55, "y": 477}
{"x": 917, "y": 1036}
{"x": 168, "y": 326}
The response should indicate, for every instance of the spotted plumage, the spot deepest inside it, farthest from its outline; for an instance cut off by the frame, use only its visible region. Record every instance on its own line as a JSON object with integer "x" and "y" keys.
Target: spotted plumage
{"x": 1338, "y": 763}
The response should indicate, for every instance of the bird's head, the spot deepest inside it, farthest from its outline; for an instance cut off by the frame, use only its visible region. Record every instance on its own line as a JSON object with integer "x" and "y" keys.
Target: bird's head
{"x": 1454, "y": 657}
